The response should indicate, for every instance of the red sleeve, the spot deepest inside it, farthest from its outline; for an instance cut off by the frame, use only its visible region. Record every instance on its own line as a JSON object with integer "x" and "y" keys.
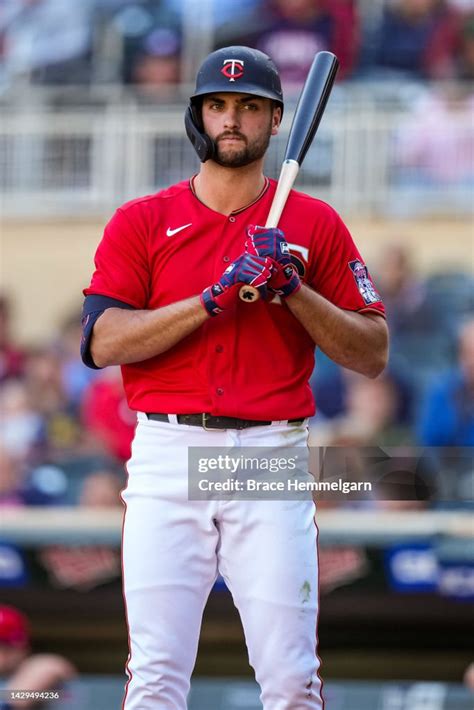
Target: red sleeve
{"x": 121, "y": 263}
{"x": 340, "y": 274}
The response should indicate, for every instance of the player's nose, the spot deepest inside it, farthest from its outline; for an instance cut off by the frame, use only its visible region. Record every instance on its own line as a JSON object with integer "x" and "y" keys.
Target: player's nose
{"x": 231, "y": 117}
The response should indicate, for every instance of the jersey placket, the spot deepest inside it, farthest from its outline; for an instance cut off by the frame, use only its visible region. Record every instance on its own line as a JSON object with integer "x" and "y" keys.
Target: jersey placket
{"x": 223, "y": 340}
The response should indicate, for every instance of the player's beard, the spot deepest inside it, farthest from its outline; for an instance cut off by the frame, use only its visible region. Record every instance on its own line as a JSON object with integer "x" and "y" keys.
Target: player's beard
{"x": 244, "y": 152}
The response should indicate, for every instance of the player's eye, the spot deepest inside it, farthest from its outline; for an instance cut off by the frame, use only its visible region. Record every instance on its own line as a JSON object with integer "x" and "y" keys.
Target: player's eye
{"x": 250, "y": 107}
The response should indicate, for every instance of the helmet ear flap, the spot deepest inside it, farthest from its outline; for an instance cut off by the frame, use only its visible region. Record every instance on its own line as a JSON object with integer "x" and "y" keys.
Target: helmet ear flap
{"x": 202, "y": 143}
{"x": 196, "y": 109}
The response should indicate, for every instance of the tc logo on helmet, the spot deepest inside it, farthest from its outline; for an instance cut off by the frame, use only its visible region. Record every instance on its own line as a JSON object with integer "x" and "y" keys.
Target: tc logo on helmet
{"x": 233, "y": 68}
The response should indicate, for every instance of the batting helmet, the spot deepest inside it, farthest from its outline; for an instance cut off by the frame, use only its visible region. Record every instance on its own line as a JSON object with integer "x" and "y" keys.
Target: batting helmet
{"x": 13, "y": 627}
{"x": 235, "y": 69}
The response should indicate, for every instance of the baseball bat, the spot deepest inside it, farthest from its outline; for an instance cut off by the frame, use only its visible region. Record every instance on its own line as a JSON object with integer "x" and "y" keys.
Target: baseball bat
{"x": 309, "y": 111}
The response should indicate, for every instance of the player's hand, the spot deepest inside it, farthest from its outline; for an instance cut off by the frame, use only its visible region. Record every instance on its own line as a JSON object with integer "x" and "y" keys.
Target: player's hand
{"x": 271, "y": 243}
{"x": 266, "y": 241}
{"x": 247, "y": 269}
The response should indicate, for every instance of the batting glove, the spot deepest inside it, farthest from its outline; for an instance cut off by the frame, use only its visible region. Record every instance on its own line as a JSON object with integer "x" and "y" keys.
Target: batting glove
{"x": 248, "y": 269}
{"x": 271, "y": 243}
{"x": 285, "y": 280}
{"x": 265, "y": 241}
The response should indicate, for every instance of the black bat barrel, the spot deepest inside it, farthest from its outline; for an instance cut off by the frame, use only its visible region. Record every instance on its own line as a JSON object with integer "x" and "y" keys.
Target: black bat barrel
{"x": 311, "y": 105}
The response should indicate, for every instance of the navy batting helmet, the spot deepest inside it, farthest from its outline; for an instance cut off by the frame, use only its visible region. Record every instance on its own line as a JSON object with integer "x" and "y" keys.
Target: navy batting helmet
{"x": 235, "y": 69}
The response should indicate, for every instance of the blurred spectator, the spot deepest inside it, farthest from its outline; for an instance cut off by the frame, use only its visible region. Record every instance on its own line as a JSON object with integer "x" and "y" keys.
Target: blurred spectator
{"x": 403, "y": 291}
{"x": 157, "y": 64}
{"x": 447, "y": 417}
{"x": 468, "y": 677}
{"x": 417, "y": 39}
{"x": 377, "y": 413}
{"x": 11, "y": 356}
{"x": 465, "y": 63}
{"x": 22, "y": 429}
{"x": 48, "y": 40}
{"x": 74, "y": 376}
{"x": 11, "y": 480}
{"x": 20, "y": 669}
{"x": 149, "y": 32}
{"x": 340, "y": 565}
{"x": 26, "y": 438}
{"x": 22, "y": 484}
{"x": 435, "y": 146}
{"x": 328, "y": 386}
{"x": 292, "y": 31}
{"x": 84, "y": 567}
{"x": 44, "y": 381}
{"x": 43, "y": 378}
{"x": 423, "y": 315}
{"x": 107, "y": 416}
{"x": 101, "y": 489}
{"x": 331, "y": 389}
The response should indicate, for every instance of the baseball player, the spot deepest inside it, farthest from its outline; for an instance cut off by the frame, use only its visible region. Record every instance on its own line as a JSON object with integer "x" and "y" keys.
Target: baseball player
{"x": 202, "y": 368}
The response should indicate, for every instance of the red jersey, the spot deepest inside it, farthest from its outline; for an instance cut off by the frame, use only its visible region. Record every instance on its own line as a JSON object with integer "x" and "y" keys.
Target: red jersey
{"x": 253, "y": 361}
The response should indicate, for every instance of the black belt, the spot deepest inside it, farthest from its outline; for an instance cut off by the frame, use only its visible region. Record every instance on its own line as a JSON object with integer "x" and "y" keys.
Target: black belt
{"x": 208, "y": 421}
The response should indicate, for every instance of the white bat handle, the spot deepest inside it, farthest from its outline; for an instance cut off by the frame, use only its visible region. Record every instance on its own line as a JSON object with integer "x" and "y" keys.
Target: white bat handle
{"x": 288, "y": 173}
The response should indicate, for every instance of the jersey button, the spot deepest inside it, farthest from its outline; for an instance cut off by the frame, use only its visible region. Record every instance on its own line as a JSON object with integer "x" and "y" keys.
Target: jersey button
{"x": 219, "y": 348}
{"x": 220, "y": 391}
{"x": 231, "y": 219}
{"x": 226, "y": 259}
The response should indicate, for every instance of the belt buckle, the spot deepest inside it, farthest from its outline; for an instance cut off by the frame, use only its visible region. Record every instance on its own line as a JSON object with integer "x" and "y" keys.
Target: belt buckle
{"x": 204, "y": 425}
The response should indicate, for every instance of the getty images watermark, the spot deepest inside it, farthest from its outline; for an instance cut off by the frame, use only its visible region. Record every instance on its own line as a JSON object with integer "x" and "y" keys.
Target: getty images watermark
{"x": 322, "y": 473}
{"x": 263, "y": 474}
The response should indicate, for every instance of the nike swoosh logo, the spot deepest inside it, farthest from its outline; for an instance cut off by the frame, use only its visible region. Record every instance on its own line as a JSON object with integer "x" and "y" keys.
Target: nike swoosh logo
{"x": 172, "y": 232}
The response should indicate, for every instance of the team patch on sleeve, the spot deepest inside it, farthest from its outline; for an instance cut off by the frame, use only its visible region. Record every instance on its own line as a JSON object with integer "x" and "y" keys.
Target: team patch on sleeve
{"x": 364, "y": 282}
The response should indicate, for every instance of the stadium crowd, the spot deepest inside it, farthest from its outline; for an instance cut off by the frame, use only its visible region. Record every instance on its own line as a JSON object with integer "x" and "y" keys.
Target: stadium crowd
{"x": 59, "y": 419}
{"x": 40, "y": 673}
{"x": 142, "y": 42}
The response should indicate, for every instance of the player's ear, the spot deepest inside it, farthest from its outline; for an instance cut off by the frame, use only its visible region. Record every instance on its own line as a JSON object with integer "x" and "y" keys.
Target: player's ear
{"x": 276, "y": 118}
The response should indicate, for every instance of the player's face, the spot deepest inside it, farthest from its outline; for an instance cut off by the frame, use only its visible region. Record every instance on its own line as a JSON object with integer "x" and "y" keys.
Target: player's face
{"x": 240, "y": 125}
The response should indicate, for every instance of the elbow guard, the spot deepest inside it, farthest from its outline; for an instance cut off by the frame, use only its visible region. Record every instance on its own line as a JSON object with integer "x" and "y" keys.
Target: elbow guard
{"x": 94, "y": 306}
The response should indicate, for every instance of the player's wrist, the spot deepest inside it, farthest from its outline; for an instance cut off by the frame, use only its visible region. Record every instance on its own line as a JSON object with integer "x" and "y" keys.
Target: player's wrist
{"x": 285, "y": 281}
{"x": 292, "y": 287}
{"x": 212, "y": 299}
{"x": 219, "y": 297}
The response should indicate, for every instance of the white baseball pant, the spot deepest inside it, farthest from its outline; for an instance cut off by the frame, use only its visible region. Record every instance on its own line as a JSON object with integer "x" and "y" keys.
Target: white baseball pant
{"x": 173, "y": 549}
